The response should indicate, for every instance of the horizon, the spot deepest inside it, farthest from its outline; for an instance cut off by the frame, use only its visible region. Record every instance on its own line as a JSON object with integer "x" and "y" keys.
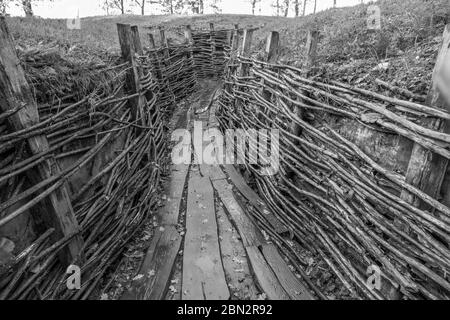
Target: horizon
{"x": 63, "y": 9}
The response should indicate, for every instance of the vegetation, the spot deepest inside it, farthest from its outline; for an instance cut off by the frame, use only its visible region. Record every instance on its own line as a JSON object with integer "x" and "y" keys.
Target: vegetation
{"x": 409, "y": 38}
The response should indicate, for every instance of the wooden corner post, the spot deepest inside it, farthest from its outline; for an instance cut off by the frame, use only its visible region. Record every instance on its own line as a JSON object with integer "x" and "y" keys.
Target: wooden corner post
{"x": 15, "y": 91}
{"x": 427, "y": 170}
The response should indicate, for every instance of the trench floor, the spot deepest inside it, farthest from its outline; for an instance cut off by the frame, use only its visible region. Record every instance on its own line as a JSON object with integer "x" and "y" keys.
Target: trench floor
{"x": 205, "y": 245}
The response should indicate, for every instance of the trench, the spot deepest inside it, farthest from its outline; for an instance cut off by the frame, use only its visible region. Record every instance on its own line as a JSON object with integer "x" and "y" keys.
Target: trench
{"x": 139, "y": 226}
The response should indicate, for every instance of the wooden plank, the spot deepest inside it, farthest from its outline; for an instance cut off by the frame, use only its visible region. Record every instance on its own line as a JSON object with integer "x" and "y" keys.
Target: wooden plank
{"x": 14, "y": 92}
{"x": 169, "y": 214}
{"x": 294, "y": 288}
{"x": 266, "y": 278}
{"x": 213, "y": 172}
{"x": 250, "y": 235}
{"x": 203, "y": 274}
{"x": 254, "y": 199}
{"x": 235, "y": 261}
{"x": 426, "y": 170}
{"x": 154, "y": 276}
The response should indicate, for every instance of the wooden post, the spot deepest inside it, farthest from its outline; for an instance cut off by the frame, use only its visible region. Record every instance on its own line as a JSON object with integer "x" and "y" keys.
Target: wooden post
{"x": 164, "y": 42}
{"x": 190, "y": 41}
{"x": 213, "y": 49}
{"x": 426, "y": 170}
{"x": 15, "y": 91}
{"x": 235, "y": 40}
{"x": 132, "y": 76}
{"x": 311, "y": 52}
{"x": 151, "y": 41}
{"x": 137, "y": 40}
{"x": 245, "y": 51}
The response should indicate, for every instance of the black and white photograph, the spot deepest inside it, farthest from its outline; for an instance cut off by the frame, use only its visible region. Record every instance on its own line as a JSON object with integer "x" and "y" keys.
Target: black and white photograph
{"x": 225, "y": 158}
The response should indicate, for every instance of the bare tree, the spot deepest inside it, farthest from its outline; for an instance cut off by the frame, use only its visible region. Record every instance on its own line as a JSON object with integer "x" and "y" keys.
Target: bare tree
{"x": 286, "y": 7}
{"x": 3, "y": 4}
{"x": 277, "y": 7}
{"x": 315, "y": 6}
{"x": 254, "y": 3}
{"x": 141, "y": 4}
{"x": 297, "y": 7}
{"x": 114, "y": 4}
{"x": 304, "y": 7}
{"x": 27, "y": 8}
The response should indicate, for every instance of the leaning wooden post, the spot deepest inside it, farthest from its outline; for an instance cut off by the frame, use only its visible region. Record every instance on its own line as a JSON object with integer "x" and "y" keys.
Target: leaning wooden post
{"x": 15, "y": 92}
{"x": 132, "y": 75}
{"x": 426, "y": 170}
{"x": 311, "y": 53}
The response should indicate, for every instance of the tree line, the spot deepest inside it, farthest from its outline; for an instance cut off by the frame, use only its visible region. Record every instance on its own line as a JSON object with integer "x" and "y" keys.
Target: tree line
{"x": 125, "y": 6}
{"x": 281, "y": 7}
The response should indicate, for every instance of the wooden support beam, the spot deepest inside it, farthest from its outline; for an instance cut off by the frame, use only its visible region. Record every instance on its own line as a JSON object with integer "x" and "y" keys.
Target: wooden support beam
{"x": 14, "y": 92}
{"x": 426, "y": 170}
{"x": 132, "y": 76}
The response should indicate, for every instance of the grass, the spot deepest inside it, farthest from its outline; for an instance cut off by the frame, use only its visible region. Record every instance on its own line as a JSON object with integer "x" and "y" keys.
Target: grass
{"x": 409, "y": 28}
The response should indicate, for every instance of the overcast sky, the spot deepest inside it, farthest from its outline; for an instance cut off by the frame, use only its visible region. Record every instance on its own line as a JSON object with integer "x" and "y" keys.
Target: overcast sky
{"x": 69, "y": 8}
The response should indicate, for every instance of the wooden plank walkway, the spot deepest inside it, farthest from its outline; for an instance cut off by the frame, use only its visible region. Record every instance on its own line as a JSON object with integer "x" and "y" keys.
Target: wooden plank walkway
{"x": 225, "y": 255}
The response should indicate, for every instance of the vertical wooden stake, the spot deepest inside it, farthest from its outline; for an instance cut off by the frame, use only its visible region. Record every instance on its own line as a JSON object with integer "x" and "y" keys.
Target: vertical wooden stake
{"x": 132, "y": 76}
{"x": 137, "y": 40}
{"x": 272, "y": 55}
{"x": 245, "y": 51}
{"x": 151, "y": 41}
{"x": 164, "y": 42}
{"x": 190, "y": 41}
{"x": 15, "y": 91}
{"x": 311, "y": 52}
{"x": 213, "y": 50}
{"x": 426, "y": 170}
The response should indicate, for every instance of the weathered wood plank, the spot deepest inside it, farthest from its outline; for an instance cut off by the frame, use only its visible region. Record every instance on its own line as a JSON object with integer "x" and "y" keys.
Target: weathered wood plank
{"x": 294, "y": 288}
{"x": 169, "y": 214}
{"x": 203, "y": 274}
{"x": 153, "y": 279}
{"x": 235, "y": 261}
{"x": 254, "y": 199}
{"x": 15, "y": 92}
{"x": 427, "y": 170}
{"x": 265, "y": 276}
{"x": 250, "y": 235}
